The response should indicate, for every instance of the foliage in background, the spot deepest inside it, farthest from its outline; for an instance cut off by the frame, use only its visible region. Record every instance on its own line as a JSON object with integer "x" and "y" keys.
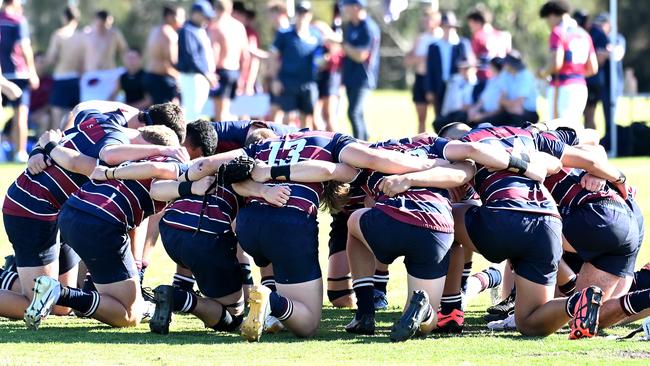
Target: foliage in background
{"x": 530, "y": 33}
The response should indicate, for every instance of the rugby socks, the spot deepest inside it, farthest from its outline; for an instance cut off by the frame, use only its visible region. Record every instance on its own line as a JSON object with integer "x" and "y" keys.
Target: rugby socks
{"x": 364, "y": 290}
{"x": 228, "y": 322}
{"x": 281, "y": 307}
{"x": 7, "y": 279}
{"x": 85, "y": 302}
{"x": 381, "y": 280}
{"x": 641, "y": 279}
{"x": 635, "y": 302}
{"x": 571, "y": 303}
{"x": 449, "y": 303}
{"x": 184, "y": 301}
{"x": 246, "y": 274}
{"x": 269, "y": 281}
{"x": 481, "y": 281}
{"x": 183, "y": 282}
{"x": 467, "y": 270}
{"x": 570, "y": 287}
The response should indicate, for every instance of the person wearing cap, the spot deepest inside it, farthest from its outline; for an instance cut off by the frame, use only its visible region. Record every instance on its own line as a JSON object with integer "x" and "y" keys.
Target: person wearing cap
{"x": 361, "y": 41}
{"x": 488, "y": 104}
{"x": 442, "y": 58}
{"x": 595, "y": 83}
{"x": 297, "y": 54}
{"x": 230, "y": 46}
{"x": 459, "y": 96}
{"x": 519, "y": 100}
{"x": 571, "y": 59}
{"x": 196, "y": 60}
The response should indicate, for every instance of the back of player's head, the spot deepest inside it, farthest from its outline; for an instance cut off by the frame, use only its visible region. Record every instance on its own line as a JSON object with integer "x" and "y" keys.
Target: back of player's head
{"x": 159, "y": 135}
{"x": 102, "y": 15}
{"x": 480, "y": 13}
{"x": 166, "y": 114}
{"x": 71, "y": 13}
{"x": 169, "y": 10}
{"x": 554, "y": 7}
{"x": 336, "y": 195}
{"x": 259, "y": 135}
{"x": 454, "y": 131}
{"x": 201, "y": 135}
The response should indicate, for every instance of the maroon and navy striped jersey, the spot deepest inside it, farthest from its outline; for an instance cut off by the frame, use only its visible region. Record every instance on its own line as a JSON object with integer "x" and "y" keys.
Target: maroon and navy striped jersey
{"x": 222, "y": 209}
{"x": 232, "y": 134}
{"x": 424, "y": 207}
{"x": 505, "y": 190}
{"x": 122, "y": 202}
{"x": 41, "y": 196}
{"x": 296, "y": 147}
{"x": 568, "y": 192}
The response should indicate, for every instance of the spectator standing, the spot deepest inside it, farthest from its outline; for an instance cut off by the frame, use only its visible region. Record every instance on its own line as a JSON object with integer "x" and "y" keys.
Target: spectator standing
{"x": 131, "y": 82}
{"x": 361, "y": 41}
{"x": 280, "y": 22}
{"x": 17, "y": 64}
{"x": 595, "y": 83}
{"x": 442, "y": 58}
{"x": 249, "y": 73}
{"x": 417, "y": 59}
{"x": 572, "y": 58}
{"x": 297, "y": 53}
{"x": 161, "y": 54}
{"x": 196, "y": 60}
{"x": 103, "y": 45}
{"x": 617, "y": 52}
{"x": 487, "y": 41}
{"x": 519, "y": 100}
{"x": 39, "y": 105}
{"x": 65, "y": 52}
{"x": 230, "y": 48}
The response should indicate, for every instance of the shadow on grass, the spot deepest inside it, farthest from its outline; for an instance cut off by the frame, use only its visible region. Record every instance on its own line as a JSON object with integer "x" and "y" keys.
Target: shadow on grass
{"x": 332, "y": 330}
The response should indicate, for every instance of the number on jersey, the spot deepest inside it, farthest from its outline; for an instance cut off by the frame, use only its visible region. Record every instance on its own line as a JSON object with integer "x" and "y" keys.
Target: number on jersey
{"x": 293, "y": 149}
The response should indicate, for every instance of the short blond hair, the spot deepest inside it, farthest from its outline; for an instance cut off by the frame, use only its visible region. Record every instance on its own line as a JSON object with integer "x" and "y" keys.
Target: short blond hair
{"x": 159, "y": 135}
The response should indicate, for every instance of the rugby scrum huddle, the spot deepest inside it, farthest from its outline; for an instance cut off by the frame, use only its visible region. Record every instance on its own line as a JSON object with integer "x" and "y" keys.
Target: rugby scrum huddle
{"x": 519, "y": 197}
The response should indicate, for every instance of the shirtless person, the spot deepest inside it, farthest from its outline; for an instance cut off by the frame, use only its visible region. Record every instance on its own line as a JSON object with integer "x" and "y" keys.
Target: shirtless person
{"x": 103, "y": 44}
{"x": 230, "y": 45}
{"x": 161, "y": 55}
{"x": 66, "y": 53}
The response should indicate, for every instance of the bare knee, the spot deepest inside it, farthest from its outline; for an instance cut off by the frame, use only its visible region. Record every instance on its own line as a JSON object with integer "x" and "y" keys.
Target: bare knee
{"x": 307, "y": 331}
{"x": 533, "y": 331}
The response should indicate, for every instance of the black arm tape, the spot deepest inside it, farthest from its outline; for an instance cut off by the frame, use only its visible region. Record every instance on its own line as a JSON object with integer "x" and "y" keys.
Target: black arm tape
{"x": 36, "y": 151}
{"x": 281, "y": 171}
{"x": 187, "y": 175}
{"x": 517, "y": 165}
{"x": 185, "y": 189}
{"x": 49, "y": 147}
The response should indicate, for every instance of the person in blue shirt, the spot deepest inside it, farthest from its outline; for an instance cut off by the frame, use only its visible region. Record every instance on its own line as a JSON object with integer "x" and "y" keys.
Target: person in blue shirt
{"x": 488, "y": 101}
{"x": 361, "y": 41}
{"x": 298, "y": 52}
{"x": 196, "y": 61}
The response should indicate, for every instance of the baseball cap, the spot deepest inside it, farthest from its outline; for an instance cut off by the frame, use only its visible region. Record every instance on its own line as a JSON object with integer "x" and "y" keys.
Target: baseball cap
{"x": 449, "y": 19}
{"x": 513, "y": 58}
{"x": 204, "y": 8}
{"x": 303, "y": 7}
{"x": 362, "y": 3}
{"x": 601, "y": 18}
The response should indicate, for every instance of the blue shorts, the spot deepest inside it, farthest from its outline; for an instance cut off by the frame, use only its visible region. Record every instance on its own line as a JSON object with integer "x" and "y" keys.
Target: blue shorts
{"x": 638, "y": 214}
{"x": 65, "y": 93}
{"x": 68, "y": 259}
{"x": 24, "y": 99}
{"x": 328, "y": 83}
{"x": 301, "y": 98}
{"x": 104, "y": 247}
{"x": 227, "y": 88}
{"x": 284, "y": 237}
{"x": 532, "y": 242}
{"x": 161, "y": 88}
{"x": 338, "y": 233}
{"x": 425, "y": 251}
{"x": 605, "y": 234}
{"x": 34, "y": 241}
{"x": 419, "y": 92}
{"x": 211, "y": 258}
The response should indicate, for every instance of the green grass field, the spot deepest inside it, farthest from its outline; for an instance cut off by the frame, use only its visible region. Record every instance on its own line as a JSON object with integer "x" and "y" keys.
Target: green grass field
{"x": 71, "y": 341}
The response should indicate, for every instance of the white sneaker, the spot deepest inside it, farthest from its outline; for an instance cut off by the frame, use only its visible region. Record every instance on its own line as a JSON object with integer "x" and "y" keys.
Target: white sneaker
{"x": 148, "y": 309}
{"x": 46, "y": 293}
{"x": 505, "y": 325}
{"x": 273, "y": 325}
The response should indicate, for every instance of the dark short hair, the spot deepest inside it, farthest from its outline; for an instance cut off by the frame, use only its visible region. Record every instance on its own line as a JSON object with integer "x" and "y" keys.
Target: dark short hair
{"x": 278, "y": 7}
{"x": 169, "y": 10}
{"x": 136, "y": 50}
{"x": 71, "y": 13}
{"x": 554, "y": 7}
{"x": 170, "y": 115}
{"x": 102, "y": 15}
{"x": 201, "y": 134}
{"x": 480, "y": 14}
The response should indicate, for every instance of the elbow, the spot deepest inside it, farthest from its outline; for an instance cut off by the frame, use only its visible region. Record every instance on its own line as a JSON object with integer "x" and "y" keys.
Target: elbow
{"x": 109, "y": 156}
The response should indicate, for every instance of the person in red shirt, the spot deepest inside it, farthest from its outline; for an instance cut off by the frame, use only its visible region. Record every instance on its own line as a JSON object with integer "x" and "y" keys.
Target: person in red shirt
{"x": 487, "y": 41}
{"x": 572, "y": 58}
